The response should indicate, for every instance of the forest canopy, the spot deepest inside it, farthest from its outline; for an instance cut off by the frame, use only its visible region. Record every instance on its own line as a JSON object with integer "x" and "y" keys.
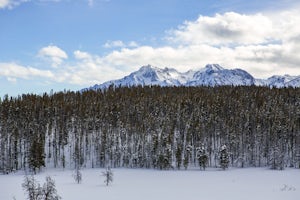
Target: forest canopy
{"x": 151, "y": 127}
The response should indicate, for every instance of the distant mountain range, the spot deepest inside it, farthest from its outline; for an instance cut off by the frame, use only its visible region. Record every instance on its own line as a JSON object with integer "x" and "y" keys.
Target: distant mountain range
{"x": 210, "y": 75}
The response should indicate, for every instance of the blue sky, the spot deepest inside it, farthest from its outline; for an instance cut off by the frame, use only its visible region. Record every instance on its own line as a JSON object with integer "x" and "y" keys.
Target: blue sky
{"x": 72, "y": 44}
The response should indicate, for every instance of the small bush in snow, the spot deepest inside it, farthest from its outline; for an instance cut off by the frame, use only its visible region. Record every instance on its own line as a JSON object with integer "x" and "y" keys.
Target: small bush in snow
{"x": 36, "y": 192}
{"x": 77, "y": 176}
{"x": 108, "y": 175}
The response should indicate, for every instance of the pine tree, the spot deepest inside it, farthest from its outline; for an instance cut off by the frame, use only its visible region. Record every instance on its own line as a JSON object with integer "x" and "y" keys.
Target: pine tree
{"x": 186, "y": 160}
{"x": 36, "y": 156}
{"x": 178, "y": 157}
{"x": 202, "y": 157}
{"x": 224, "y": 157}
{"x": 276, "y": 159}
{"x": 117, "y": 126}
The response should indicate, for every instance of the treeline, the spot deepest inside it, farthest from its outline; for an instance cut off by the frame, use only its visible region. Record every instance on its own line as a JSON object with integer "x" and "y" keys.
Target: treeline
{"x": 151, "y": 127}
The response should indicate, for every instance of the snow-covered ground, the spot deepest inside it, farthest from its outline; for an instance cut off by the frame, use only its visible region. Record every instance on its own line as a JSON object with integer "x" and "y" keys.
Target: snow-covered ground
{"x": 140, "y": 184}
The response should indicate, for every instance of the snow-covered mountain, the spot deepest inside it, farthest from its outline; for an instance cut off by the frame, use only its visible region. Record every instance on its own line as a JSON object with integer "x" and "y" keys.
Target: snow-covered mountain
{"x": 149, "y": 75}
{"x": 284, "y": 81}
{"x": 213, "y": 75}
{"x": 210, "y": 75}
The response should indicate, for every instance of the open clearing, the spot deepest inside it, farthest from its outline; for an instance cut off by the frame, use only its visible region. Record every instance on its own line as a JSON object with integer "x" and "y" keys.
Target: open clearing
{"x": 141, "y": 184}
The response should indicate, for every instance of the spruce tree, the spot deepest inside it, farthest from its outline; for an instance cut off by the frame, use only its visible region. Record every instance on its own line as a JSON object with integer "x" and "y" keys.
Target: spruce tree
{"x": 36, "y": 156}
{"x": 202, "y": 157}
{"x": 276, "y": 159}
{"x": 178, "y": 156}
{"x": 224, "y": 157}
{"x": 187, "y": 155}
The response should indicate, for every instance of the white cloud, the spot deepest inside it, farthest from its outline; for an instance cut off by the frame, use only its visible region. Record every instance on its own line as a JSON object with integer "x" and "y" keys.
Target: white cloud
{"x": 11, "y": 3}
{"x": 262, "y": 44}
{"x": 133, "y": 44}
{"x": 80, "y": 55}
{"x": 272, "y": 50}
{"x": 54, "y": 54}
{"x": 14, "y": 71}
{"x": 120, "y": 44}
{"x": 12, "y": 80}
{"x": 114, "y": 44}
{"x": 4, "y": 3}
{"x": 182, "y": 57}
{"x": 88, "y": 70}
{"x": 229, "y": 28}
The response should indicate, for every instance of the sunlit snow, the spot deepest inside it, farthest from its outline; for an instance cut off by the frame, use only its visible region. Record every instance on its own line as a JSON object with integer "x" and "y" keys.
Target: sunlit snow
{"x": 142, "y": 184}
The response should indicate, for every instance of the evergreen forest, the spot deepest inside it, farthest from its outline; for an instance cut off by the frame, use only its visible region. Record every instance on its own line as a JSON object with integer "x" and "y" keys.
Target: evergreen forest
{"x": 151, "y": 127}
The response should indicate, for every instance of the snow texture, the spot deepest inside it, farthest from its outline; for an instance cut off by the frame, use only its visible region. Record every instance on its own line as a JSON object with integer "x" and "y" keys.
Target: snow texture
{"x": 211, "y": 75}
{"x": 137, "y": 184}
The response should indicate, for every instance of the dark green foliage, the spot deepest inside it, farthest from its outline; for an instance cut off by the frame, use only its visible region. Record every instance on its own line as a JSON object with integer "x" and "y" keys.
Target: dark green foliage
{"x": 151, "y": 127}
{"x": 202, "y": 157}
{"x": 163, "y": 162}
{"x": 178, "y": 157}
{"x": 187, "y": 156}
{"x": 276, "y": 159}
{"x": 36, "y": 158}
{"x": 224, "y": 157}
{"x": 165, "y": 158}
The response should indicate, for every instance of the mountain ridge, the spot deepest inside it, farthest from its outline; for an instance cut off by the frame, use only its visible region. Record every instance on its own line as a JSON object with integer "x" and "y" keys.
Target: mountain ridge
{"x": 211, "y": 75}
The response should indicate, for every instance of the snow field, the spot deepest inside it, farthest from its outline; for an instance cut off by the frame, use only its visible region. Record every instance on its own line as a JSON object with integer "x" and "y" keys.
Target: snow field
{"x": 141, "y": 184}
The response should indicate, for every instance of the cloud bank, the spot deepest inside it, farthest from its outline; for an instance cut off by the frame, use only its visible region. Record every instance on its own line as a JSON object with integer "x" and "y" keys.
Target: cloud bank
{"x": 13, "y": 71}
{"x": 229, "y": 28}
{"x": 263, "y": 44}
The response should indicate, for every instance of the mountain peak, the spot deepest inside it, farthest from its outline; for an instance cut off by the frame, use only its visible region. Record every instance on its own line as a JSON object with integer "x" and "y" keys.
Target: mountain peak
{"x": 156, "y": 69}
{"x": 210, "y": 75}
{"x": 146, "y": 73}
{"x": 147, "y": 67}
{"x": 214, "y": 67}
{"x": 214, "y": 74}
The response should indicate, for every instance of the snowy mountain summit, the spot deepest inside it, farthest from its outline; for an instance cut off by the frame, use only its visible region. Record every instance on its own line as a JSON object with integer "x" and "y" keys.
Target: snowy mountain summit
{"x": 210, "y": 75}
{"x": 214, "y": 75}
{"x": 148, "y": 75}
